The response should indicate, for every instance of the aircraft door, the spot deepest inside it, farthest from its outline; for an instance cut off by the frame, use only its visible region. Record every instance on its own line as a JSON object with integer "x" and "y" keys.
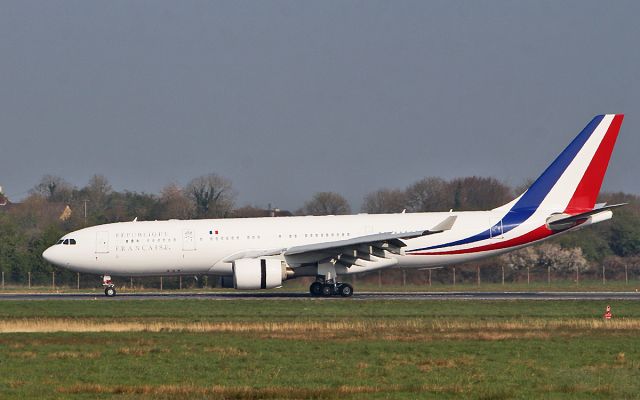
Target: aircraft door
{"x": 102, "y": 242}
{"x": 188, "y": 240}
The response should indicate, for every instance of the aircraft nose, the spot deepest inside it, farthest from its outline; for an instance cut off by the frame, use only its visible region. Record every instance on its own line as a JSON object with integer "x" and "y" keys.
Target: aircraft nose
{"x": 51, "y": 255}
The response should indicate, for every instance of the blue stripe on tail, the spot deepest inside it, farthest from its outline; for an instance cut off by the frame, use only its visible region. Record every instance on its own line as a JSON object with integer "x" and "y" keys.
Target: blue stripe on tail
{"x": 533, "y": 197}
{"x": 543, "y": 185}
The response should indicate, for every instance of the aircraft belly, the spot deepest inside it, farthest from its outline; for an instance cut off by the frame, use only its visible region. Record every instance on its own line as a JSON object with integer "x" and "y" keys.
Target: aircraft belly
{"x": 422, "y": 261}
{"x": 148, "y": 263}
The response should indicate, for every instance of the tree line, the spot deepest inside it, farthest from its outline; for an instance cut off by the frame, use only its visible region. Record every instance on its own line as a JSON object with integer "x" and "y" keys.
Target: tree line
{"x": 55, "y": 207}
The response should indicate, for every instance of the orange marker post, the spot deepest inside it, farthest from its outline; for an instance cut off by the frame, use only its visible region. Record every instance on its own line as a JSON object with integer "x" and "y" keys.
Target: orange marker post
{"x": 607, "y": 313}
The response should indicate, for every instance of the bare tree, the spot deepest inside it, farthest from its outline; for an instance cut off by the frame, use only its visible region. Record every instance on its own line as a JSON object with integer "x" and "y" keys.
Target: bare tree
{"x": 429, "y": 194}
{"x": 174, "y": 203}
{"x": 99, "y": 187}
{"x": 212, "y": 196}
{"x": 325, "y": 203}
{"x": 250, "y": 212}
{"x": 526, "y": 184}
{"x": 34, "y": 213}
{"x": 385, "y": 201}
{"x": 54, "y": 188}
{"x": 478, "y": 193}
{"x": 96, "y": 193}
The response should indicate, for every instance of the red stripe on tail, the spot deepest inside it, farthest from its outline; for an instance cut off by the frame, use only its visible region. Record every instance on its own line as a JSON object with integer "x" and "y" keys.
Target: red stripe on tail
{"x": 586, "y": 194}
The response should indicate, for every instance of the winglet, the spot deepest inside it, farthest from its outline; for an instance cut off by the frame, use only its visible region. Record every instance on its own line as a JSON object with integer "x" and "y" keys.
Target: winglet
{"x": 445, "y": 225}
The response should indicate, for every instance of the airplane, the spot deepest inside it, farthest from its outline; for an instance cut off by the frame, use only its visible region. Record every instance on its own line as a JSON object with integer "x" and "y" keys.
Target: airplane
{"x": 261, "y": 253}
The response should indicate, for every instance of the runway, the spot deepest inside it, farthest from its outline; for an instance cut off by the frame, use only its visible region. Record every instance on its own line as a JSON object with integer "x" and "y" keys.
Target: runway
{"x": 358, "y": 296}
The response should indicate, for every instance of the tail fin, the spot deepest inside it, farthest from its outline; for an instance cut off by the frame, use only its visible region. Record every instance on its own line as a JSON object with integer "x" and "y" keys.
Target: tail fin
{"x": 572, "y": 182}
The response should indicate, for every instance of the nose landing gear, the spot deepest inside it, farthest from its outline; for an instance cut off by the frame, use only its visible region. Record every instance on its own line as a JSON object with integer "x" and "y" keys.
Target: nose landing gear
{"x": 109, "y": 287}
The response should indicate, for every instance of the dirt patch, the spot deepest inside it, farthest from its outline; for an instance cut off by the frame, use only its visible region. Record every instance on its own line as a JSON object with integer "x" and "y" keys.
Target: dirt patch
{"x": 244, "y": 392}
{"x": 404, "y": 330}
{"x": 436, "y": 363}
{"x": 67, "y": 355}
{"x": 226, "y": 351}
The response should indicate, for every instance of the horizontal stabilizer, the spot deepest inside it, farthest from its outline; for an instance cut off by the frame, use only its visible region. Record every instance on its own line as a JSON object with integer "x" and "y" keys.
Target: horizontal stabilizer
{"x": 564, "y": 221}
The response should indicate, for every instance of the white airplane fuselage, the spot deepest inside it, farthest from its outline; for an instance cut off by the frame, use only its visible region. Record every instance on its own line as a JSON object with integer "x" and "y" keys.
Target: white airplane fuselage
{"x": 200, "y": 246}
{"x": 260, "y": 253}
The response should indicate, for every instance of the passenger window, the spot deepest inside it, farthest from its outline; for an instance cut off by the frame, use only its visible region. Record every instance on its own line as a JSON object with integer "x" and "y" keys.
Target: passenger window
{"x": 72, "y": 241}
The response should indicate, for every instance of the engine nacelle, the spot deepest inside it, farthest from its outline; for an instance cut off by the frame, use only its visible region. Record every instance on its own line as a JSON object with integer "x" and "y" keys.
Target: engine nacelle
{"x": 258, "y": 273}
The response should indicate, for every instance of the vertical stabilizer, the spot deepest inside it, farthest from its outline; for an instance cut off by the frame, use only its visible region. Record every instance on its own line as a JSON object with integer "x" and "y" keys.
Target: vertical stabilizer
{"x": 572, "y": 182}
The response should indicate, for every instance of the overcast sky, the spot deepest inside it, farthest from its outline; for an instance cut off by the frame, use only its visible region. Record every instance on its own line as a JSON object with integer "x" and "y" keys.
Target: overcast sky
{"x": 289, "y": 98}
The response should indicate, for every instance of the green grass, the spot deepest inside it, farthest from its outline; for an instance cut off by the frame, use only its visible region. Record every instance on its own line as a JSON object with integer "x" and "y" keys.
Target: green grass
{"x": 376, "y": 349}
{"x": 562, "y": 285}
{"x": 194, "y": 310}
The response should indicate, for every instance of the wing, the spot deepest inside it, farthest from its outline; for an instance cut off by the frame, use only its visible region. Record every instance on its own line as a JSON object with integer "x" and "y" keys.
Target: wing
{"x": 254, "y": 254}
{"x": 371, "y": 251}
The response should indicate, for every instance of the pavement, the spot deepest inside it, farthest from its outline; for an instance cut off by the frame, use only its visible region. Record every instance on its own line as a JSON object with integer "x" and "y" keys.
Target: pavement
{"x": 236, "y": 295}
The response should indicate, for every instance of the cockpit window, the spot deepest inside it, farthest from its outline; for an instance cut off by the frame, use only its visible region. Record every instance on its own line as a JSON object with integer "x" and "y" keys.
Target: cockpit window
{"x": 72, "y": 241}
{"x": 66, "y": 241}
{"x": 59, "y": 241}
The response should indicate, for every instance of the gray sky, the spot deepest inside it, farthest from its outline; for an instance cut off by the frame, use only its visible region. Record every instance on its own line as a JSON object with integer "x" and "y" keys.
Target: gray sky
{"x": 290, "y": 98}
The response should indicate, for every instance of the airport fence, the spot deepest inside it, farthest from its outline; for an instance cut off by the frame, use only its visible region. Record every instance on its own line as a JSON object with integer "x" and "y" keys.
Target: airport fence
{"x": 461, "y": 276}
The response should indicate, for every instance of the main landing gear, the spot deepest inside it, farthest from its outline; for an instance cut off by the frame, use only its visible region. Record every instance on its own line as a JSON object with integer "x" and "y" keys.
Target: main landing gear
{"x": 109, "y": 287}
{"x": 330, "y": 288}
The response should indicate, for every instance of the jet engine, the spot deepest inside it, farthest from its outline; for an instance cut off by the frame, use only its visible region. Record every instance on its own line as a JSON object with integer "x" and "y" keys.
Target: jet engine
{"x": 258, "y": 273}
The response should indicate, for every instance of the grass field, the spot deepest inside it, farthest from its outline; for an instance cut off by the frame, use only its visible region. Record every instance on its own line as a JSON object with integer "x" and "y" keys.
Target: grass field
{"x": 314, "y": 348}
{"x": 301, "y": 285}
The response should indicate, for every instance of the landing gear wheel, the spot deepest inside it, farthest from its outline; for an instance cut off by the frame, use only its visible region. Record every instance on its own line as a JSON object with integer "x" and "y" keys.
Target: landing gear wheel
{"x": 345, "y": 290}
{"x": 327, "y": 290}
{"x": 315, "y": 289}
{"x": 110, "y": 291}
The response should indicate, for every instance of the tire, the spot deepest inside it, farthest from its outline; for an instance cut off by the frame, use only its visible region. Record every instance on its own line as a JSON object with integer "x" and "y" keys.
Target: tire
{"x": 110, "y": 291}
{"x": 327, "y": 290}
{"x": 345, "y": 290}
{"x": 315, "y": 289}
